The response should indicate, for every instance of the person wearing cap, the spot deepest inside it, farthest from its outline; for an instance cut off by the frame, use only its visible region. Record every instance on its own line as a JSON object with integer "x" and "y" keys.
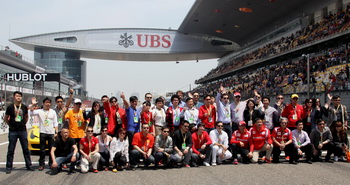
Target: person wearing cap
{"x": 76, "y": 121}
{"x": 223, "y": 110}
{"x": 201, "y": 146}
{"x": 282, "y": 139}
{"x": 260, "y": 141}
{"x": 239, "y": 143}
{"x": 237, "y": 108}
{"x": 220, "y": 144}
{"x": 293, "y": 112}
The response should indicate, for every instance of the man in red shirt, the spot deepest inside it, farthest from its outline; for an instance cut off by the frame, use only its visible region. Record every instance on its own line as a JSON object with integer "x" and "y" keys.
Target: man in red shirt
{"x": 293, "y": 112}
{"x": 143, "y": 144}
{"x": 240, "y": 143}
{"x": 282, "y": 139}
{"x": 201, "y": 146}
{"x": 116, "y": 116}
{"x": 260, "y": 141}
{"x": 207, "y": 114}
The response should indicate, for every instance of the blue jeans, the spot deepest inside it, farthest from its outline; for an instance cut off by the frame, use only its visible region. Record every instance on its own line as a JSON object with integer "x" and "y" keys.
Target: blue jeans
{"x": 22, "y": 136}
{"x": 67, "y": 159}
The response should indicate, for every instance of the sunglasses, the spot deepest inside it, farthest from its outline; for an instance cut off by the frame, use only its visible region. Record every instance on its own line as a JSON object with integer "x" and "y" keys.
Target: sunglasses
{"x": 185, "y": 126}
{"x": 104, "y": 130}
{"x": 207, "y": 99}
{"x": 149, "y": 97}
{"x": 77, "y": 103}
{"x": 113, "y": 101}
{"x": 258, "y": 97}
{"x": 59, "y": 101}
{"x": 321, "y": 124}
{"x": 225, "y": 98}
{"x": 280, "y": 98}
{"x": 89, "y": 131}
{"x": 237, "y": 96}
{"x": 309, "y": 102}
{"x": 145, "y": 127}
{"x": 283, "y": 122}
{"x": 122, "y": 133}
{"x": 220, "y": 125}
{"x": 166, "y": 131}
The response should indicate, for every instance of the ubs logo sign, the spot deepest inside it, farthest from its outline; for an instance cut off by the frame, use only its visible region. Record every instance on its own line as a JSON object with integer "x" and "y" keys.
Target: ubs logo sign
{"x": 126, "y": 40}
{"x": 146, "y": 40}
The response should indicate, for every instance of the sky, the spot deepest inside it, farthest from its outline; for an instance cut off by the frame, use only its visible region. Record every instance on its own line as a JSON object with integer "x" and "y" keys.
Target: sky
{"x": 25, "y": 18}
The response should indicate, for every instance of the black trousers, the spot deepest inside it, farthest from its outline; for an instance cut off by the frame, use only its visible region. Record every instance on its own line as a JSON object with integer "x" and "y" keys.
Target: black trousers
{"x": 289, "y": 151}
{"x": 330, "y": 149}
{"x": 104, "y": 159}
{"x": 307, "y": 149}
{"x": 239, "y": 150}
{"x": 43, "y": 139}
{"x": 119, "y": 159}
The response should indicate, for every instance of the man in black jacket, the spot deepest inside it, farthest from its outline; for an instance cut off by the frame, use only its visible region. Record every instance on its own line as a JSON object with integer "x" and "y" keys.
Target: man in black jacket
{"x": 183, "y": 143}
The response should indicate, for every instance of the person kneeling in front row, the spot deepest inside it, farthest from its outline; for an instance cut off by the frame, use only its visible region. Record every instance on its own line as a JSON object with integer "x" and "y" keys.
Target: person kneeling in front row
{"x": 61, "y": 152}
{"x": 302, "y": 143}
{"x": 89, "y": 150}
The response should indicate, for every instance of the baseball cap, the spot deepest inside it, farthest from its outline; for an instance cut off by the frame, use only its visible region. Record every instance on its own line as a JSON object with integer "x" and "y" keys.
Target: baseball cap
{"x": 76, "y": 100}
{"x": 237, "y": 94}
{"x": 294, "y": 96}
{"x": 242, "y": 123}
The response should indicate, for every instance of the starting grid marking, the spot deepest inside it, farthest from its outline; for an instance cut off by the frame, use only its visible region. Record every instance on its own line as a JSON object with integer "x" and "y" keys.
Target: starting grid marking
{"x": 4, "y": 143}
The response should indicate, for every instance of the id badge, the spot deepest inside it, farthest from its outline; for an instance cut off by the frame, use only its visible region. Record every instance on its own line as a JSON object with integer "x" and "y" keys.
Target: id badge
{"x": 177, "y": 119}
{"x": 183, "y": 146}
{"x": 309, "y": 119}
{"x": 136, "y": 119}
{"x": 294, "y": 117}
{"x": 79, "y": 123}
{"x": 150, "y": 123}
{"x": 191, "y": 120}
{"x": 106, "y": 119}
{"x": 236, "y": 115}
{"x": 250, "y": 123}
{"x": 210, "y": 119}
{"x": 18, "y": 118}
{"x": 228, "y": 115}
{"x": 46, "y": 122}
{"x": 60, "y": 120}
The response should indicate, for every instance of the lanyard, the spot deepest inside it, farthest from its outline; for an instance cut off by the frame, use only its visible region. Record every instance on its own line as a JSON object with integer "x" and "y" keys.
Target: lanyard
{"x": 209, "y": 110}
{"x": 46, "y": 114}
{"x": 17, "y": 110}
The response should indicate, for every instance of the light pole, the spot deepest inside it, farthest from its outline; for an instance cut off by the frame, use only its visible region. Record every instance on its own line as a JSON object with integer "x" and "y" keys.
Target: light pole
{"x": 307, "y": 56}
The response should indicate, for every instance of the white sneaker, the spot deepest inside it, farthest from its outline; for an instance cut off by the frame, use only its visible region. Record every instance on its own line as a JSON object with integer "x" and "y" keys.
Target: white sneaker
{"x": 343, "y": 158}
{"x": 213, "y": 164}
{"x": 206, "y": 164}
{"x": 336, "y": 158}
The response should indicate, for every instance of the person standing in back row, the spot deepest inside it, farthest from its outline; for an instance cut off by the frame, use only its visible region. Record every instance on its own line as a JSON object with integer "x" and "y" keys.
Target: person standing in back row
{"x": 16, "y": 117}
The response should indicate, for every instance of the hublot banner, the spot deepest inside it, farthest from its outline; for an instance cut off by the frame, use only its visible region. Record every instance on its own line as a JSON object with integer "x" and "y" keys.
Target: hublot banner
{"x": 32, "y": 77}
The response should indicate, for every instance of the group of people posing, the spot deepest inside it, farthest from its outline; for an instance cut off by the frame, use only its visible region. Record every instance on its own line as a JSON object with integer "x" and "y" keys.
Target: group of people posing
{"x": 185, "y": 134}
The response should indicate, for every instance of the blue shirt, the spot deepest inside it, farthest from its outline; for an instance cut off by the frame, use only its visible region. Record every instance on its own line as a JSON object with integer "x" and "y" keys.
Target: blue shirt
{"x": 133, "y": 119}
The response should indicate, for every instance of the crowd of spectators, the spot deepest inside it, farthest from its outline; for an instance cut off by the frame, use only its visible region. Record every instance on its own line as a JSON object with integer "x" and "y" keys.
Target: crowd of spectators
{"x": 271, "y": 79}
{"x": 331, "y": 24}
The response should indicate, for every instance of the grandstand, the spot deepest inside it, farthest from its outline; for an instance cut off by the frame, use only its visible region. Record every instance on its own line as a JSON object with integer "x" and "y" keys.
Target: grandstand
{"x": 277, "y": 66}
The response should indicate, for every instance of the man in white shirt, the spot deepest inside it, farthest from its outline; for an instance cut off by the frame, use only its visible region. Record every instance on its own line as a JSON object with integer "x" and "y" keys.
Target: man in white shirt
{"x": 220, "y": 144}
{"x": 237, "y": 109}
{"x": 301, "y": 142}
{"x": 48, "y": 126}
{"x": 190, "y": 113}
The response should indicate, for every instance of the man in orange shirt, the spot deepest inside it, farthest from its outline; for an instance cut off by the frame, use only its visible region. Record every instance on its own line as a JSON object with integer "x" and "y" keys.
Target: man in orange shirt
{"x": 142, "y": 143}
{"x": 76, "y": 122}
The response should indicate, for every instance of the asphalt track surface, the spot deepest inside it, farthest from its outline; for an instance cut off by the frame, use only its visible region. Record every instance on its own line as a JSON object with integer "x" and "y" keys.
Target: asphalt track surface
{"x": 284, "y": 173}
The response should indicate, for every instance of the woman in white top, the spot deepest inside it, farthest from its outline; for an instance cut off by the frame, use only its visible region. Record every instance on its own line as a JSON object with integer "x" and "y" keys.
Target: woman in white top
{"x": 119, "y": 150}
{"x": 158, "y": 115}
{"x": 103, "y": 142}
